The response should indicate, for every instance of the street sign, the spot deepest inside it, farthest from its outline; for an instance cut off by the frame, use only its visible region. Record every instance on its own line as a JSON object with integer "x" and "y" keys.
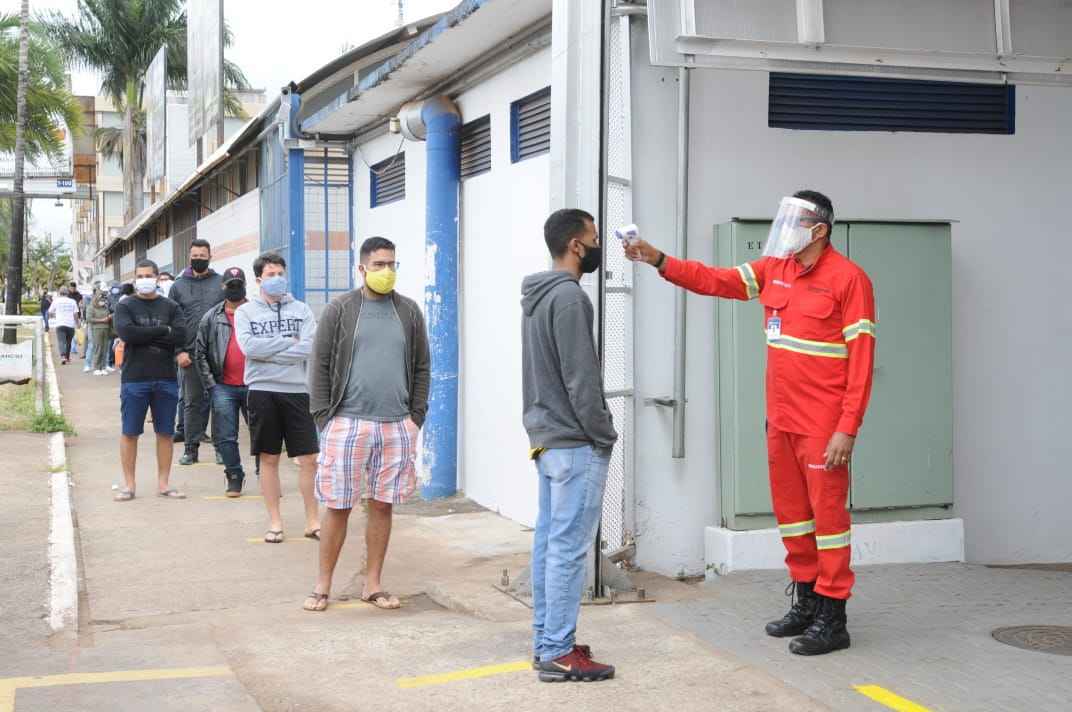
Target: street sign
{"x": 204, "y": 65}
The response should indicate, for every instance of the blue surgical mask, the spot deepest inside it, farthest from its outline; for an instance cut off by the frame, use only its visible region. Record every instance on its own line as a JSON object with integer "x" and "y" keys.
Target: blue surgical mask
{"x": 274, "y": 286}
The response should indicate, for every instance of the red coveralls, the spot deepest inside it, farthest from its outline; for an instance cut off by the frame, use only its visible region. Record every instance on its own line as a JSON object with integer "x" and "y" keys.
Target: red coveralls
{"x": 819, "y": 366}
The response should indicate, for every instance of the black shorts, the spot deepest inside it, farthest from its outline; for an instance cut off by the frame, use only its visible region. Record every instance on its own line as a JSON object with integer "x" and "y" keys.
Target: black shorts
{"x": 275, "y": 418}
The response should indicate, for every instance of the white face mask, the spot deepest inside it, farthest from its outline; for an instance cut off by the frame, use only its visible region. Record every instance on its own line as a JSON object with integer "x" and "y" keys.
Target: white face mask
{"x": 145, "y": 285}
{"x": 799, "y": 238}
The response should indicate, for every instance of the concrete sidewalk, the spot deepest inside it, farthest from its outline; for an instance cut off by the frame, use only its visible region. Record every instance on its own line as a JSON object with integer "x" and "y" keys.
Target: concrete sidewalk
{"x": 186, "y": 590}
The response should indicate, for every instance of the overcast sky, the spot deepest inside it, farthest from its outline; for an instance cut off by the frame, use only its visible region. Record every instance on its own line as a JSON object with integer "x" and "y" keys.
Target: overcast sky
{"x": 269, "y": 46}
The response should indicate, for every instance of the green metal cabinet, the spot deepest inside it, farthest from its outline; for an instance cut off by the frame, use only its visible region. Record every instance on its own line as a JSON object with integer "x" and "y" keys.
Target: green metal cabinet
{"x": 902, "y": 467}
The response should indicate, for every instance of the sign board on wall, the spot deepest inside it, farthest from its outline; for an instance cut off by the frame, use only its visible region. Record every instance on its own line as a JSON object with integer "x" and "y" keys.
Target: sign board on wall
{"x": 156, "y": 116}
{"x": 204, "y": 64}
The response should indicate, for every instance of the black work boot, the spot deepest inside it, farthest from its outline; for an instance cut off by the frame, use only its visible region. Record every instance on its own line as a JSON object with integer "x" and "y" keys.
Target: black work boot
{"x": 234, "y": 483}
{"x": 827, "y": 633}
{"x": 800, "y": 615}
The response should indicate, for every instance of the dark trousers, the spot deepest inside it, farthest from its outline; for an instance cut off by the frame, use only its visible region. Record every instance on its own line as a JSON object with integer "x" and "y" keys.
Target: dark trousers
{"x": 195, "y": 408}
{"x": 66, "y": 335}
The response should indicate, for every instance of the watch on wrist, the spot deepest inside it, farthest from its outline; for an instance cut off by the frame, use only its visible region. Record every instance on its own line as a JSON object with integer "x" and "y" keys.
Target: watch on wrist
{"x": 661, "y": 260}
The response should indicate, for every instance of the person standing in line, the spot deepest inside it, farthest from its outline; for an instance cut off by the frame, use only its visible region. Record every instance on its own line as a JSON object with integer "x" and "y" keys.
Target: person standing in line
{"x": 151, "y": 328}
{"x": 64, "y": 311}
{"x": 222, "y": 365}
{"x": 275, "y": 333}
{"x": 99, "y": 321}
{"x": 571, "y": 436}
{"x": 46, "y": 302}
{"x": 197, "y": 290}
{"x": 164, "y": 284}
{"x": 368, "y": 383}
{"x": 819, "y": 314}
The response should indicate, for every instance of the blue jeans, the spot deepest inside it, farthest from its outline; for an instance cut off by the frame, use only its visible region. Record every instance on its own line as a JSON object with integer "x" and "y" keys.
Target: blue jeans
{"x": 571, "y": 501}
{"x": 227, "y": 403}
{"x": 89, "y": 349}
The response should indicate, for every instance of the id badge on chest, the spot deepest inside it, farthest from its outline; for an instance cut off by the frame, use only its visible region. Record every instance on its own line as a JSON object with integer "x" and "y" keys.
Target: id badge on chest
{"x": 774, "y": 327}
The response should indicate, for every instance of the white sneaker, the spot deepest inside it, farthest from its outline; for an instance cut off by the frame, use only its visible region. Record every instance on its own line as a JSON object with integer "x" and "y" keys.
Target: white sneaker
{"x": 109, "y": 370}
{"x": 85, "y": 370}
{"x": 100, "y": 373}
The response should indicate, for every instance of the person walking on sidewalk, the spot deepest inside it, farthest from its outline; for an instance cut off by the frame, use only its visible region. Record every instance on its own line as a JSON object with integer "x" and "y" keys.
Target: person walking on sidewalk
{"x": 222, "y": 367}
{"x": 368, "y": 383}
{"x": 46, "y": 302}
{"x": 100, "y": 331}
{"x": 197, "y": 290}
{"x": 64, "y": 312}
{"x": 820, "y": 325}
{"x": 151, "y": 328}
{"x": 73, "y": 293}
{"x": 571, "y": 436}
{"x": 275, "y": 333}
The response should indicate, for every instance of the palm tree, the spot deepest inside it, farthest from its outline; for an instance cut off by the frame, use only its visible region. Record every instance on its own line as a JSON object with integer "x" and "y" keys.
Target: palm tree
{"x": 48, "y": 103}
{"x": 118, "y": 39}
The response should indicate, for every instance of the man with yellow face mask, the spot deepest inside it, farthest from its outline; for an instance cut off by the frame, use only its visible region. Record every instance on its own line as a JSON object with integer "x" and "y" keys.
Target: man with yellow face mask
{"x": 368, "y": 386}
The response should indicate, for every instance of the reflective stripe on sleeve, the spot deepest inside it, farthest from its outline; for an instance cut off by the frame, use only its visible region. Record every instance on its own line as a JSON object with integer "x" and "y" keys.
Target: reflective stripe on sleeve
{"x": 751, "y": 284}
{"x": 864, "y": 326}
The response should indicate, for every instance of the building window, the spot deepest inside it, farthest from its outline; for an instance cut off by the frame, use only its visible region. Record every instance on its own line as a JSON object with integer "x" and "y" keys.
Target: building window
{"x": 836, "y": 103}
{"x": 388, "y": 180}
{"x": 476, "y": 147}
{"x": 530, "y": 126}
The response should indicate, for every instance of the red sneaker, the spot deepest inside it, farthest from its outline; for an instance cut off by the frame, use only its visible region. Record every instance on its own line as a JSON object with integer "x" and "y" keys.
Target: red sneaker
{"x": 582, "y": 649}
{"x": 575, "y": 666}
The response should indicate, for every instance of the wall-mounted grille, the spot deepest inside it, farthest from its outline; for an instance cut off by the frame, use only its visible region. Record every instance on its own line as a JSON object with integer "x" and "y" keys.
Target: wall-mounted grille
{"x": 836, "y": 103}
{"x": 530, "y": 126}
{"x": 389, "y": 180}
{"x": 476, "y": 147}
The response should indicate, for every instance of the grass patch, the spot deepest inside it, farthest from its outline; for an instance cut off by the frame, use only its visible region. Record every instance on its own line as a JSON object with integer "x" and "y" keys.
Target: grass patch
{"x": 50, "y": 422}
{"x": 17, "y": 406}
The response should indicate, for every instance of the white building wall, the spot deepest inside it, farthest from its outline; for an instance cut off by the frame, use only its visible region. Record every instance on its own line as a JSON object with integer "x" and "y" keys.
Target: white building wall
{"x": 234, "y": 231}
{"x": 163, "y": 256}
{"x": 502, "y": 241}
{"x": 1010, "y": 350}
{"x": 501, "y": 235}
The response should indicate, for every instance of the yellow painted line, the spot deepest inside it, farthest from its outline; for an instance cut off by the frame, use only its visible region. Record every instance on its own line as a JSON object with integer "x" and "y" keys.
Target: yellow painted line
{"x": 8, "y": 686}
{"x": 888, "y": 699}
{"x": 407, "y": 683}
{"x": 229, "y": 499}
{"x": 288, "y": 540}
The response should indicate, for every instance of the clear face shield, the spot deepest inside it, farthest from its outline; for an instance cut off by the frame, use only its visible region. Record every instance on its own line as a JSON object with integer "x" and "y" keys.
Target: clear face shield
{"x": 794, "y": 228}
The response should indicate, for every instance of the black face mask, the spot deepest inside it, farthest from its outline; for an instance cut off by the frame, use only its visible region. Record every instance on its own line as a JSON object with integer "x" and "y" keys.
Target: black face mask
{"x": 235, "y": 292}
{"x": 199, "y": 265}
{"x": 592, "y": 260}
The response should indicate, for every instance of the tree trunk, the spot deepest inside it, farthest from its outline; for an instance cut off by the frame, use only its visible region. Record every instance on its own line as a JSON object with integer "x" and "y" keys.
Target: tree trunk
{"x": 13, "y": 296}
{"x": 133, "y": 173}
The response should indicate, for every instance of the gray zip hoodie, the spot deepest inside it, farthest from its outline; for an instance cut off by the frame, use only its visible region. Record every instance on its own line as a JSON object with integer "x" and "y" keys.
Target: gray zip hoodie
{"x": 277, "y": 340}
{"x": 562, "y": 380}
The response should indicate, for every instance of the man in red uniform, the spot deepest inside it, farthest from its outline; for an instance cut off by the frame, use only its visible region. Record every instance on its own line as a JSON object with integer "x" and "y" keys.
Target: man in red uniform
{"x": 819, "y": 318}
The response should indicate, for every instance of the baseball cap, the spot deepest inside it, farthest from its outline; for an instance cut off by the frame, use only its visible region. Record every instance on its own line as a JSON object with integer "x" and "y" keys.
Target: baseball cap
{"x": 232, "y": 274}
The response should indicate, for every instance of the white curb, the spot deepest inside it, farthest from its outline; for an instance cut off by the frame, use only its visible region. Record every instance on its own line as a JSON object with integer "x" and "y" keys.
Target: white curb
{"x": 63, "y": 563}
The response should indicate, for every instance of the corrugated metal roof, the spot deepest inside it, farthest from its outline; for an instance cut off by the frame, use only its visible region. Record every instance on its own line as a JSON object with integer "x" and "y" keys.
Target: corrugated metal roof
{"x": 471, "y": 30}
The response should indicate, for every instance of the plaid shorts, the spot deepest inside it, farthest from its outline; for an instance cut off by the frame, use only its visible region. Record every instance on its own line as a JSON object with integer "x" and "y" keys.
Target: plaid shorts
{"x": 364, "y": 459}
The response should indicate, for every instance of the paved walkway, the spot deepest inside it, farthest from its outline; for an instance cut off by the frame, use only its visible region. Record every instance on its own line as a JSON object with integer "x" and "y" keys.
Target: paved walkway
{"x": 183, "y": 608}
{"x": 922, "y": 632}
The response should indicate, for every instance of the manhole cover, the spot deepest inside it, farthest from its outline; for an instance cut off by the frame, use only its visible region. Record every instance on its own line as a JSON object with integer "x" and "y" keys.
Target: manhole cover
{"x": 1054, "y": 639}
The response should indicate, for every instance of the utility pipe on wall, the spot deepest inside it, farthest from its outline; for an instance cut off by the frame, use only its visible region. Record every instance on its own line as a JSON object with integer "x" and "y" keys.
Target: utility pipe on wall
{"x": 442, "y": 126}
{"x": 681, "y": 249}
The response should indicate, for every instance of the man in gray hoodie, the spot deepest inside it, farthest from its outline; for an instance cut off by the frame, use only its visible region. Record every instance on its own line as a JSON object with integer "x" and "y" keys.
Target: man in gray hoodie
{"x": 275, "y": 332}
{"x": 571, "y": 438}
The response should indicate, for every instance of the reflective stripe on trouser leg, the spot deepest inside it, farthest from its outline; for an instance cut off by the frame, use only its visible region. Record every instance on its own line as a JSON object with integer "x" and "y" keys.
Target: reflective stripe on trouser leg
{"x": 792, "y": 507}
{"x": 828, "y": 491}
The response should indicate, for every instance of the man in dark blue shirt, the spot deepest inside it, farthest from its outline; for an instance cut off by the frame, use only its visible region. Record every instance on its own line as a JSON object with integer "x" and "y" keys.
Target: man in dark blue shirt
{"x": 152, "y": 330}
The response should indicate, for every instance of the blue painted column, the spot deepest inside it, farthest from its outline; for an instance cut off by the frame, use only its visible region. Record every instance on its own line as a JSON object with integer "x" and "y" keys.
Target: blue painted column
{"x": 442, "y": 122}
{"x": 296, "y": 211}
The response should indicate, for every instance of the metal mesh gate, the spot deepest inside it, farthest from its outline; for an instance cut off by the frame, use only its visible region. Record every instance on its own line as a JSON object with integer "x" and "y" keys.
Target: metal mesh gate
{"x": 618, "y": 520}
